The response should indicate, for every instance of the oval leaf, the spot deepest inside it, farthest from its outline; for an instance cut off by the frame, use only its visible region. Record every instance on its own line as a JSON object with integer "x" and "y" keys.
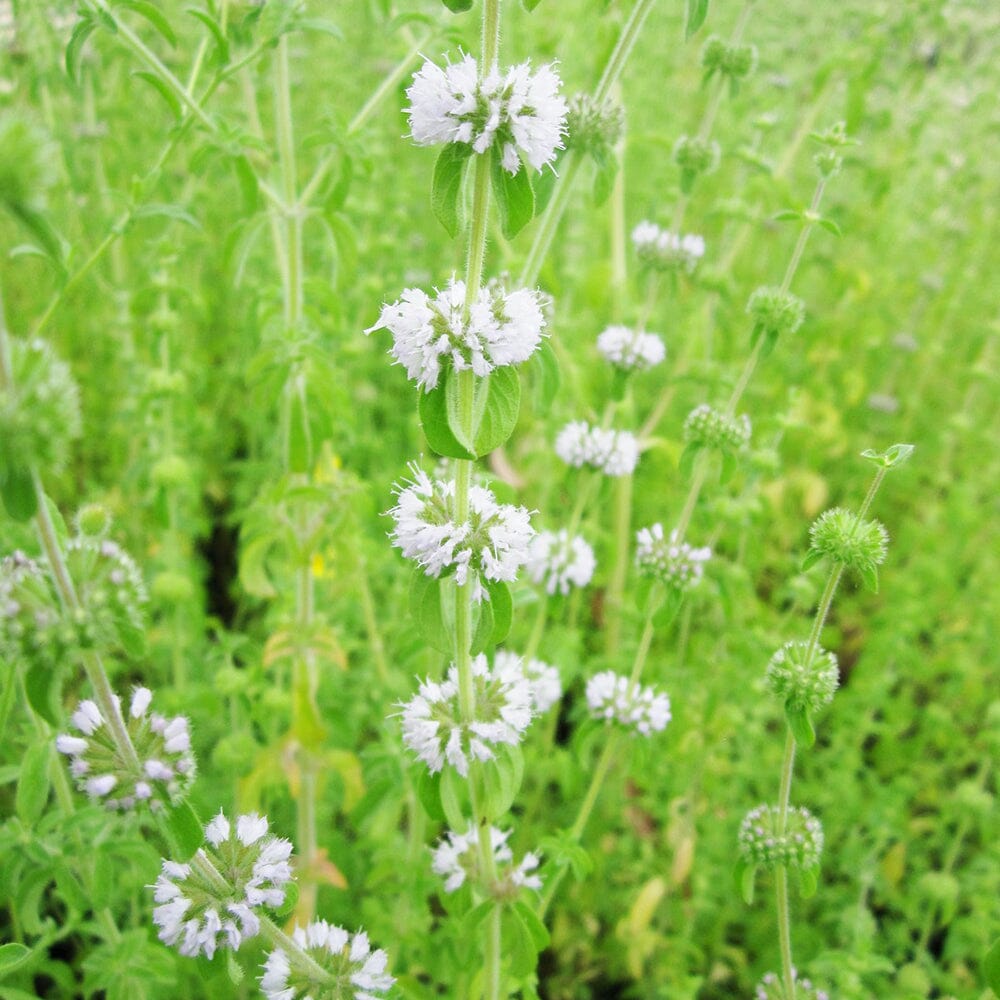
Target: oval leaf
{"x": 514, "y": 195}
{"x": 446, "y": 189}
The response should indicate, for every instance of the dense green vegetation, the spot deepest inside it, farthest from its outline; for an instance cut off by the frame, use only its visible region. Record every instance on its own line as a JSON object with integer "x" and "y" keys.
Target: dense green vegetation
{"x": 202, "y": 209}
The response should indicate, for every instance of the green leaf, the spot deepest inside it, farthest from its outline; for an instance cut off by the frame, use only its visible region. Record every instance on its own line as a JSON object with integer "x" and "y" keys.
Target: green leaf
{"x": 18, "y": 492}
{"x": 158, "y": 210}
{"x": 515, "y": 198}
{"x": 319, "y": 26}
{"x": 172, "y": 100}
{"x": 154, "y": 16}
{"x": 543, "y": 373}
{"x": 429, "y": 793}
{"x": 482, "y": 630}
{"x": 500, "y": 780}
{"x": 299, "y": 435}
{"x": 43, "y": 686}
{"x": 74, "y": 49}
{"x": 831, "y": 227}
{"x": 685, "y": 465}
{"x": 991, "y": 967}
{"x": 428, "y": 612}
{"x": 233, "y": 967}
{"x": 787, "y": 215}
{"x": 446, "y": 188}
{"x": 132, "y": 637}
{"x": 458, "y": 6}
{"x": 801, "y": 726}
{"x": 184, "y": 829}
{"x": 813, "y": 556}
{"x": 452, "y": 794}
{"x": 530, "y": 5}
{"x": 432, "y": 408}
{"x": 697, "y": 11}
{"x": 869, "y": 574}
{"x": 502, "y": 606}
{"x": 12, "y": 955}
{"x": 221, "y": 54}
{"x": 33, "y": 782}
{"x": 499, "y": 406}
{"x": 808, "y": 881}
{"x": 37, "y": 223}
{"x": 519, "y": 945}
{"x": 537, "y": 930}
{"x": 744, "y": 876}
{"x": 896, "y": 454}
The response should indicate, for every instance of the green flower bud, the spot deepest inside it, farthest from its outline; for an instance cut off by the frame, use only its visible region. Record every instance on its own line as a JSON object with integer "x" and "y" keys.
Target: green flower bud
{"x": 695, "y": 156}
{"x": 858, "y": 545}
{"x": 800, "y": 846}
{"x": 593, "y": 129}
{"x": 170, "y": 587}
{"x": 93, "y": 521}
{"x": 708, "y": 428}
{"x": 163, "y": 382}
{"x": 800, "y": 685}
{"x": 828, "y": 163}
{"x": 171, "y": 470}
{"x": 775, "y": 312}
{"x": 735, "y": 61}
{"x": 39, "y": 408}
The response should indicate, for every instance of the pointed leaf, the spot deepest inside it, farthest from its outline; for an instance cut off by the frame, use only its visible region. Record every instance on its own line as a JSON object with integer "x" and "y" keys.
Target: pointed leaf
{"x": 502, "y": 606}
{"x": 745, "y": 875}
{"x": 33, "y": 782}
{"x": 18, "y": 492}
{"x": 185, "y": 830}
{"x": 458, "y": 6}
{"x": 991, "y": 967}
{"x": 74, "y": 49}
{"x": 13, "y": 955}
{"x": 813, "y": 556}
{"x": 697, "y": 11}
{"x": 173, "y": 101}
{"x": 869, "y": 574}
{"x": 154, "y": 16}
{"x": 432, "y": 408}
{"x": 482, "y": 632}
{"x": 446, "y": 188}
{"x": 514, "y": 195}
{"x": 426, "y": 608}
{"x": 221, "y": 54}
{"x": 519, "y": 945}
{"x": 831, "y": 227}
{"x": 452, "y": 794}
{"x": 801, "y": 726}
{"x": 500, "y": 411}
{"x": 537, "y": 930}
{"x": 786, "y": 215}
{"x": 429, "y": 793}
{"x": 808, "y": 881}
{"x": 43, "y": 686}
{"x": 543, "y": 368}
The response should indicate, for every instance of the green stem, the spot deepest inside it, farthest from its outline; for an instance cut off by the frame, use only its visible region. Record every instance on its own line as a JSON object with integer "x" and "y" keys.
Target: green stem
{"x": 784, "y": 932}
{"x": 623, "y": 49}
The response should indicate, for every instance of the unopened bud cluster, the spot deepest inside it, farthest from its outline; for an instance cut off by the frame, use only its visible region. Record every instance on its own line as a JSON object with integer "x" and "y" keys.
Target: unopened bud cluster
{"x": 734, "y": 61}
{"x": 32, "y": 630}
{"x": 613, "y": 697}
{"x": 670, "y": 560}
{"x": 593, "y": 129}
{"x": 775, "y": 312}
{"x": 856, "y": 544}
{"x": 771, "y": 988}
{"x": 39, "y": 409}
{"x": 667, "y": 251}
{"x": 350, "y": 967}
{"x": 163, "y": 767}
{"x": 762, "y": 844}
{"x": 707, "y": 427}
{"x": 457, "y": 860}
{"x": 803, "y": 677}
{"x": 215, "y": 900}
{"x": 695, "y": 156}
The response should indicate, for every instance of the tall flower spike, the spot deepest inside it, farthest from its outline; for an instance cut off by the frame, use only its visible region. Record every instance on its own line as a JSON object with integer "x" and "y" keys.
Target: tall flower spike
{"x": 615, "y": 453}
{"x": 560, "y": 562}
{"x": 351, "y": 968}
{"x": 631, "y": 350}
{"x": 502, "y": 328}
{"x": 432, "y": 720}
{"x": 493, "y": 541}
{"x": 670, "y": 560}
{"x": 165, "y": 767}
{"x": 610, "y": 696}
{"x": 200, "y": 910}
{"x": 456, "y": 860}
{"x": 519, "y": 112}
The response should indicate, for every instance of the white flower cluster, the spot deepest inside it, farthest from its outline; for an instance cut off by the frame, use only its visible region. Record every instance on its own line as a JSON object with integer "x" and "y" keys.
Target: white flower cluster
{"x": 615, "y": 453}
{"x": 631, "y": 350}
{"x": 560, "y": 561}
{"x": 611, "y": 696}
{"x": 200, "y": 909}
{"x": 666, "y": 250}
{"x": 543, "y": 678}
{"x": 432, "y": 719}
{"x": 493, "y": 541}
{"x": 352, "y": 968}
{"x": 674, "y": 562}
{"x": 520, "y": 112}
{"x": 456, "y": 859}
{"x": 162, "y": 771}
{"x": 502, "y": 328}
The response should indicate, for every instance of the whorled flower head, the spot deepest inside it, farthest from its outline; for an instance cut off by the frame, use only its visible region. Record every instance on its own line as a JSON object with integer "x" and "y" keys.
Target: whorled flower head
{"x": 519, "y": 112}
{"x": 39, "y": 408}
{"x": 615, "y": 453}
{"x": 542, "y": 678}
{"x": 695, "y": 156}
{"x": 734, "y": 61}
{"x": 164, "y": 768}
{"x": 667, "y": 251}
{"x": 493, "y": 541}
{"x": 593, "y": 129}
{"x": 631, "y": 350}
{"x": 610, "y": 696}
{"x": 32, "y": 628}
{"x": 200, "y": 909}
{"x": 503, "y": 328}
{"x": 859, "y": 545}
{"x": 432, "y": 719}
{"x": 352, "y": 969}
{"x": 803, "y": 680}
{"x": 775, "y": 312}
{"x": 670, "y": 560}
{"x": 707, "y": 427}
{"x": 456, "y": 859}
{"x": 559, "y": 561}
{"x": 772, "y": 988}
{"x": 800, "y": 846}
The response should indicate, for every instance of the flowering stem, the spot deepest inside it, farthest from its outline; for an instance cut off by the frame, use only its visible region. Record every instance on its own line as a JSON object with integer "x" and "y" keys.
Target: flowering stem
{"x": 623, "y": 49}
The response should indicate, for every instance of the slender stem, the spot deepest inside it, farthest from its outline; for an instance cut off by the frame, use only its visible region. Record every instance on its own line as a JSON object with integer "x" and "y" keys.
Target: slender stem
{"x": 698, "y": 476}
{"x": 784, "y": 932}
{"x": 538, "y": 629}
{"x": 551, "y": 217}
{"x": 623, "y": 49}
